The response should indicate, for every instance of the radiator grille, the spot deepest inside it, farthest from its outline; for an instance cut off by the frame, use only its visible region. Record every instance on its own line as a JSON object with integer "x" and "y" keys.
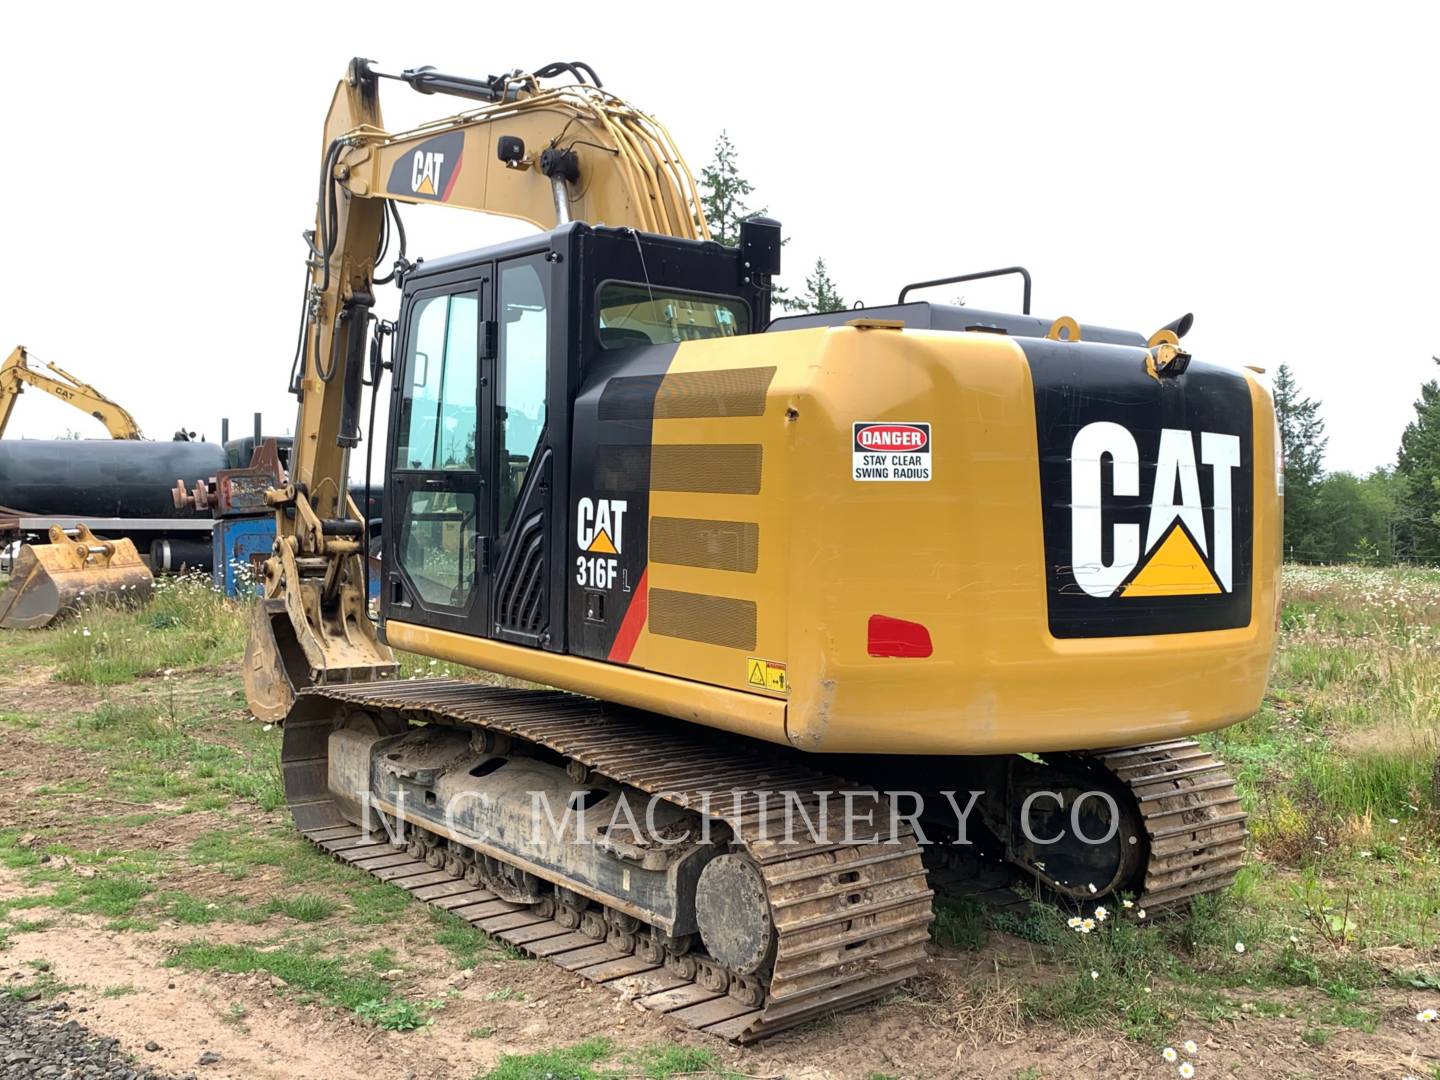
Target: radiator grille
{"x": 720, "y": 468}
{"x": 714, "y": 620}
{"x": 631, "y": 397}
{"x": 714, "y": 545}
{"x": 622, "y": 468}
{"x": 687, "y": 394}
{"x": 727, "y": 392}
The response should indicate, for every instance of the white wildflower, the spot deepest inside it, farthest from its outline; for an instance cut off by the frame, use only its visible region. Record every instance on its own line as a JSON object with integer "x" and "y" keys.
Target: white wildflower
{"x": 1140, "y": 914}
{"x": 1101, "y": 914}
{"x": 1427, "y": 1016}
{"x": 1127, "y": 904}
{"x": 1239, "y": 946}
{"x": 85, "y": 632}
{"x": 1094, "y": 975}
{"x": 1170, "y": 1055}
{"x": 1092, "y": 887}
{"x": 1086, "y": 925}
{"x": 1186, "y": 1070}
{"x": 1190, "y": 1048}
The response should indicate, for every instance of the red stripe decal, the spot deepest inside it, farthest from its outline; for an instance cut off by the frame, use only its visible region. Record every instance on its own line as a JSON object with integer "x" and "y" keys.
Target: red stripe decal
{"x": 454, "y": 175}
{"x": 634, "y": 621}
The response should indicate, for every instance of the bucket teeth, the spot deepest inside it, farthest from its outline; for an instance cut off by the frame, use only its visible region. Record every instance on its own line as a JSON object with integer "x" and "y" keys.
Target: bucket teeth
{"x": 75, "y": 568}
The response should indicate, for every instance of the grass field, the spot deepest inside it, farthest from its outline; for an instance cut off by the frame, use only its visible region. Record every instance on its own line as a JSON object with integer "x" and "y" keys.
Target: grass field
{"x": 141, "y": 804}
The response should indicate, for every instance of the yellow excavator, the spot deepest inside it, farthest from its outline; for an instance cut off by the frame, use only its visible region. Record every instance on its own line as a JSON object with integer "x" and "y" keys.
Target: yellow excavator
{"x": 16, "y": 374}
{"x": 49, "y": 579}
{"x": 843, "y": 610}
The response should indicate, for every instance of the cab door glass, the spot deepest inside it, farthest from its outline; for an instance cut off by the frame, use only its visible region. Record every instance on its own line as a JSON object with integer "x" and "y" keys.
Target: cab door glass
{"x": 523, "y": 366}
{"x": 438, "y": 409}
{"x": 438, "y": 435}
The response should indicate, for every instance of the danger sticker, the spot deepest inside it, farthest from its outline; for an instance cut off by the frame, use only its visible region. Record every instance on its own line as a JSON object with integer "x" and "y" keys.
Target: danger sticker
{"x": 893, "y": 451}
{"x": 766, "y": 675}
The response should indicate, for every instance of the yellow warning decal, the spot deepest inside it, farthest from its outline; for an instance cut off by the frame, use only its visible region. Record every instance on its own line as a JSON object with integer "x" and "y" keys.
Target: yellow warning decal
{"x": 766, "y": 675}
{"x": 1175, "y": 568}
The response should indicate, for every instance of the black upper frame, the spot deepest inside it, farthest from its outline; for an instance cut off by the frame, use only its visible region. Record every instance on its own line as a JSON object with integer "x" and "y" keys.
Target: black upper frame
{"x": 578, "y": 257}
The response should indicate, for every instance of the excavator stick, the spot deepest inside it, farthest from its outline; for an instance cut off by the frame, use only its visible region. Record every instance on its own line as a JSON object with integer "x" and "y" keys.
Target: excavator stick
{"x": 75, "y": 568}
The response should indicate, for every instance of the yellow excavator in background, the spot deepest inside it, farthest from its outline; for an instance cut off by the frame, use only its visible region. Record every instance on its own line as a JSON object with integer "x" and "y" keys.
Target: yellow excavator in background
{"x": 977, "y": 576}
{"x": 47, "y": 580}
{"x": 15, "y": 375}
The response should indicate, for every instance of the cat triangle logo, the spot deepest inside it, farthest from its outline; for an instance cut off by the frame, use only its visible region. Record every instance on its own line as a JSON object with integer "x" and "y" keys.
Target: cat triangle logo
{"x": 426, "y": 187}
{"x": 1175, "y": 568}
{"x": 602, "y": 544}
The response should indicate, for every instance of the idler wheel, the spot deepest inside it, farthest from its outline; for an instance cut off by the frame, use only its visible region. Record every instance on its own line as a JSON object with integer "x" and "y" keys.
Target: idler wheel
{"x": 733, "y": 913}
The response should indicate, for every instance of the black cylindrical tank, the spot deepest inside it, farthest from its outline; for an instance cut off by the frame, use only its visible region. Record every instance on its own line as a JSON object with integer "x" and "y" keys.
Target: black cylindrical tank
{"x": 102, "y": 477}
{"x": 174, "y": 556}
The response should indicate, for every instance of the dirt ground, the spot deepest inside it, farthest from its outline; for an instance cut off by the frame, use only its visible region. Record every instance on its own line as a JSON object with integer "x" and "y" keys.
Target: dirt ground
{"x": 961, "y": 1018}
{"x": 185, "y": 1014}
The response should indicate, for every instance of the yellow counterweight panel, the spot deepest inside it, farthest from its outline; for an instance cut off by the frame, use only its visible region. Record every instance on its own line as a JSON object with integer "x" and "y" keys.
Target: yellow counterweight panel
{"x": 964, "y": 556}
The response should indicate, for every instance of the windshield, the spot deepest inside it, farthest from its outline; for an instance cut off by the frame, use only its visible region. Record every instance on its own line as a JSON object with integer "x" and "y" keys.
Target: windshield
{"x": 632, "y": 314}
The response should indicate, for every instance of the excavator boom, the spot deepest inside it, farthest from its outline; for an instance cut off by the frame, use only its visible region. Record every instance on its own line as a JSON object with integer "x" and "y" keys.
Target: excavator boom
{"x": 543, "y": 155}
{"x": 15, "y": 375}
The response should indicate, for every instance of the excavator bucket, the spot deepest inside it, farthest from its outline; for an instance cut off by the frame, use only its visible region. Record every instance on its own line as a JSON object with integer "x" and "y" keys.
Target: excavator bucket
{"x": 275, "y": 667}
{"x": 75, "y": 568}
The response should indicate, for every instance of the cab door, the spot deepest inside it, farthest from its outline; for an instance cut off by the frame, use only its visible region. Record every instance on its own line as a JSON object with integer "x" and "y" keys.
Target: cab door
{"x": 525, "y": 480}
{"x": 439, "y": 507}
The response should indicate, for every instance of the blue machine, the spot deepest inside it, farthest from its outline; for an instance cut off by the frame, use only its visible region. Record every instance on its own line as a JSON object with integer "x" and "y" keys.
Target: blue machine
{"x": 240, "y": 545}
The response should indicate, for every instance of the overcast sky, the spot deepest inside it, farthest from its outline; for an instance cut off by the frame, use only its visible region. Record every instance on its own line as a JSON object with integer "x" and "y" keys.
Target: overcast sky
{"x": 1271, "y": 168}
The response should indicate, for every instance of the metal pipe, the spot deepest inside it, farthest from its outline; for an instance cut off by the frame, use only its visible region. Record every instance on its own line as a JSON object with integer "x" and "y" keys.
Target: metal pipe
{"x": 258, "y": 437}
{"x": 224, "y": 430}
{"x": 562, "y": 199}
{"x": 1004, "y": 271}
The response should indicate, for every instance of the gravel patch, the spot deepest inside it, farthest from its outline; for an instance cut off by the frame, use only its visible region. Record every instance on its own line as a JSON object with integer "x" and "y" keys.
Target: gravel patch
{"x": 45, "y": 1041}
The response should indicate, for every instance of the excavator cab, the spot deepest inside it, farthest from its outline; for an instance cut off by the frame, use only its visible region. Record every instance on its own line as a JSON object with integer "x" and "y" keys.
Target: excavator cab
{"x": 494, "y": 354}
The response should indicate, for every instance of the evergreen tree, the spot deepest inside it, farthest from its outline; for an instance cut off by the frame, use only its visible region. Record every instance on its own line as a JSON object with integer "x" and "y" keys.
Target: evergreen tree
{"x": 820, "y": 292}
{"x": 723, "y": 195}
{"x": 1419, "y": 466}
{"x": 723, "y": 192}
{"x": 1302, "y": 437}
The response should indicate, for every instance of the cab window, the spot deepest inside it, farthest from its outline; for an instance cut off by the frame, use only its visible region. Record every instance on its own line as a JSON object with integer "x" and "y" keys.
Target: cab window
{"x": 637, "y": 314}
{"x": 438, "y": 409}
{"x": 524, "y": 352}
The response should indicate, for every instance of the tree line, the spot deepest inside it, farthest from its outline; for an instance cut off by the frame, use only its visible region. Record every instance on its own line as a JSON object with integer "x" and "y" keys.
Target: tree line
{"x": 1392, "y": 514}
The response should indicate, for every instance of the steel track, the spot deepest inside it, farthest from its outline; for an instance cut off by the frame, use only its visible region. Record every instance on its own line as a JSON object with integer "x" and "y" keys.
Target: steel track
{"x": 851, "y": 919}
{"x": 1192, "y": 818}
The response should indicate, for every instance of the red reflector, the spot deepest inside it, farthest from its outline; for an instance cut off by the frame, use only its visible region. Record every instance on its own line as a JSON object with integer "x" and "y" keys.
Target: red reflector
{"x": 898, "y": 637}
